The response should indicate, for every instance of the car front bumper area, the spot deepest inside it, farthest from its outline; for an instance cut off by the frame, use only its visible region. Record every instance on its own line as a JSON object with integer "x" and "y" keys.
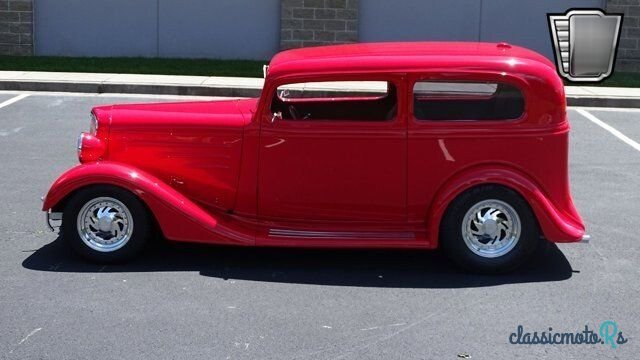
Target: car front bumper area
{"x": 53, "y": 219}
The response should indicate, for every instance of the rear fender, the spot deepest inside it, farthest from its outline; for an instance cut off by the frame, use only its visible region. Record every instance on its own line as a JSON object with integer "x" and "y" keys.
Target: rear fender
{"x": 556, "y": 225}
{"x": 179, "y": 218}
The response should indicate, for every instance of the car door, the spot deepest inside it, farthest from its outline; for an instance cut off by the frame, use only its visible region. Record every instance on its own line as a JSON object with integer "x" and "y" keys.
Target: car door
{"x": 334, "y": 152}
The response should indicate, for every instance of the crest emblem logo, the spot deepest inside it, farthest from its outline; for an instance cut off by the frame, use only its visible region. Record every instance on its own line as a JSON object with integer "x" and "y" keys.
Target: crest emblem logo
{"x": 585, "y": 43}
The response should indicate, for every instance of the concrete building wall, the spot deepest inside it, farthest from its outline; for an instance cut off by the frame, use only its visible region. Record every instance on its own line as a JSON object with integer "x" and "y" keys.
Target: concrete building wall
{"x": 629, "y": 48}
{"x": 96, "y": 27}
{"x": 318, "y": 22}
{"x": 518, "y": 22}
{"x": 16, "y": 27}
{"x": 257, "y": 29}
{"x": 242, "y": 29}
{"x": 419, "y": 20}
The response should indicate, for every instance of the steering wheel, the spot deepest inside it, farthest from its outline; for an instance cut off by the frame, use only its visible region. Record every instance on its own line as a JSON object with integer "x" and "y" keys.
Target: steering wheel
{"x": 295, "y": 115}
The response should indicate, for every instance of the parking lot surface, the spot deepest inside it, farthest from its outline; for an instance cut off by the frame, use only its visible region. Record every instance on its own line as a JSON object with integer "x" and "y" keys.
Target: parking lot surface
{"x": 193, "y": 302}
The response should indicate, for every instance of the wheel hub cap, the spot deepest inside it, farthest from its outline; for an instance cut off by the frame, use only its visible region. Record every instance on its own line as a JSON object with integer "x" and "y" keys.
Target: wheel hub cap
{"x": 105, "y": 224}
{"x": 491, "y": 228}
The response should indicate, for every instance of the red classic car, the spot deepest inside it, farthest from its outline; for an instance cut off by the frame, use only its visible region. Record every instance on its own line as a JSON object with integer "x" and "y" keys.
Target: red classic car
{"x": 387, "y": 145}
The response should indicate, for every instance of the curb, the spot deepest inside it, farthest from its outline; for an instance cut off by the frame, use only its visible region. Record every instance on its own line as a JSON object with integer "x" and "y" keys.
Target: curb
{"x": 610, "y": 102}
{"x": 153, "y": 89}
{"x": 238, "y": 91}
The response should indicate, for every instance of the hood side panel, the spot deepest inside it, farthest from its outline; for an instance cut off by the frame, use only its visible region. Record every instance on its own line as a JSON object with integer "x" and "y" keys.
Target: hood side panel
{"x": 193, "y": 147}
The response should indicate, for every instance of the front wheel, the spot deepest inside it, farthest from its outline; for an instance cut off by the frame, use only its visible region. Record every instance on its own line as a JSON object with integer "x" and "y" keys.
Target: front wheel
{"x": 489, "y": 229}
{"x": 105, "y": 224}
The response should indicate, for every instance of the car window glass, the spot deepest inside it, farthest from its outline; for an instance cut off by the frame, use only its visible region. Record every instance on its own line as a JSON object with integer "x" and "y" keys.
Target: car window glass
{"x": 435, "y": 100}
{"x": 336, "y": 100}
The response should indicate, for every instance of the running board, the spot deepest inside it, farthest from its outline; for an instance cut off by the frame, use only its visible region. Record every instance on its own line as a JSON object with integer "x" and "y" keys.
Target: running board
{"x": 283, "y": 233}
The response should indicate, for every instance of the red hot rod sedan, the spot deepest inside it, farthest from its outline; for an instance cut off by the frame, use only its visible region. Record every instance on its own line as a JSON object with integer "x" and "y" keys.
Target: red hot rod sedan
{"x": 389, "y": 145}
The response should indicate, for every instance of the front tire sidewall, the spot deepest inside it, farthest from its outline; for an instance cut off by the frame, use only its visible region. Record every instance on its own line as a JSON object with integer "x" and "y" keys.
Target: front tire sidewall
{"x": 137, "y": 239}
{"x": 453, "y": 243}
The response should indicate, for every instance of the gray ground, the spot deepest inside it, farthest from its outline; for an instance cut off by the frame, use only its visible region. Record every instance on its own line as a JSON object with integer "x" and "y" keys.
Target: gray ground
{"x": 186, "y": 302}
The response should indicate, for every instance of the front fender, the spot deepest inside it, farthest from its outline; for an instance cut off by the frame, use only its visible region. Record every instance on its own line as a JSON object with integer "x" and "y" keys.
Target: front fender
{"x": 179, "y": 217}
{"x": 557, "y": 225}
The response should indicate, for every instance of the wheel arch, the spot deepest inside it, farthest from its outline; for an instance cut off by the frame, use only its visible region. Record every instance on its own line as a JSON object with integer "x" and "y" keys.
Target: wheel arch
{"x": 177, "y": 216}
{"x": 62, "y": 203}
{"x": 553, "y": 224}
{"x": 93, "y": 175}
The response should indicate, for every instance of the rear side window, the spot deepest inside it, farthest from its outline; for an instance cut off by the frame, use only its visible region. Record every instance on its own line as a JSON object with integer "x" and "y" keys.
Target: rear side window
{"x": 442, "y": 101}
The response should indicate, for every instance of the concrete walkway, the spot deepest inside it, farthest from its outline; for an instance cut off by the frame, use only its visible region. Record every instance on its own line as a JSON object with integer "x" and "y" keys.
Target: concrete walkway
{"x": 235, "y": 87}
{"x": 130, "y": 83}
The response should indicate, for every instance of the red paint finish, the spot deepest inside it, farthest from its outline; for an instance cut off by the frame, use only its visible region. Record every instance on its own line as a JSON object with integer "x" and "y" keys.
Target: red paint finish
{"x": 223, "y": 172}
{"x": 358, "y": 158}
{"x": 179, "y": 217}
{"x": 194, "y": 147}
{"x": 90, "y": 148}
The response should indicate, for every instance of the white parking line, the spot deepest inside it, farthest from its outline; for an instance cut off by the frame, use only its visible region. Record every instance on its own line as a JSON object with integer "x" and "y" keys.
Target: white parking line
{"x": 13, "y": 100}
{"x": 609, "y": 128}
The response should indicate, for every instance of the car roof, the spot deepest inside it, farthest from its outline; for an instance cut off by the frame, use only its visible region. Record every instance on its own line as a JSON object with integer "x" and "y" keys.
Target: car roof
{"x": 404, "y": 56}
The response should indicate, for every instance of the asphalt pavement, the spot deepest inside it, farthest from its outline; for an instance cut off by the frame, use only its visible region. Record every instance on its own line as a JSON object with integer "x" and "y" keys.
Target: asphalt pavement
{"x": 197, "y": 302}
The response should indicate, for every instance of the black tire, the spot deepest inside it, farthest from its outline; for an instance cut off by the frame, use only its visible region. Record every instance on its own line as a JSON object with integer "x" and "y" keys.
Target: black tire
{"x": 137, "y": 236}
{"x": 455, "y": 246}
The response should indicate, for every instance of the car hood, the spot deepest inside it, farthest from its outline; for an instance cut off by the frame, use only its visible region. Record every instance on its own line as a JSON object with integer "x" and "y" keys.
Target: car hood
{"x": 195, "y": 147}
{"x": 231, "y": 113}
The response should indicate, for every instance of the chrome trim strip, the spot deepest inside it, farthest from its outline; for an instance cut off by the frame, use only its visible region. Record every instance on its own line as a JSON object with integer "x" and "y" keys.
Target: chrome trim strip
{"x": 339, "y": 234}
{"x": 585, "y": 239}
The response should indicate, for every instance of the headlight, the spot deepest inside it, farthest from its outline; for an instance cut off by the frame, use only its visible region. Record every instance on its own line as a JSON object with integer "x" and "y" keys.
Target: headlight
{"x": 79, "y": 144}
{"x": 90, "y": 148}
{"x": 93, "y": 128}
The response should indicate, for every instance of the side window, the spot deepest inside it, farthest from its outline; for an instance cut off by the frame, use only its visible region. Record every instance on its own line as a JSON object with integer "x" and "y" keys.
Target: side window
{"x": 337, "y": 100}
{"x": 441, "y": 101}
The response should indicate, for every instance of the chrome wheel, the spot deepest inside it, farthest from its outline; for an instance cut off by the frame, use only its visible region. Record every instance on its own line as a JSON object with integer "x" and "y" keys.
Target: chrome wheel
{"x": 491, "y": 228}
{"x": 105, "y": 224}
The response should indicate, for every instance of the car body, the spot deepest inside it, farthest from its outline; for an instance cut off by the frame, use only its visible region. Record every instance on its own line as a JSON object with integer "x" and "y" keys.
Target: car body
{"x": 315, "y": 163}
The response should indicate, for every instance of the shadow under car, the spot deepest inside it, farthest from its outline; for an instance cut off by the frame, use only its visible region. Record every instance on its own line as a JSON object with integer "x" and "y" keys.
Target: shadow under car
{"x": 358, "y": 268}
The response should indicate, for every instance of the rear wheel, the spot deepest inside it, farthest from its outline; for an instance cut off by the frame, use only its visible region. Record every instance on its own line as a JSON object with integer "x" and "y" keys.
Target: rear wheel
{"x": 489, "y": 229}
{"x": 105, "y": 224}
